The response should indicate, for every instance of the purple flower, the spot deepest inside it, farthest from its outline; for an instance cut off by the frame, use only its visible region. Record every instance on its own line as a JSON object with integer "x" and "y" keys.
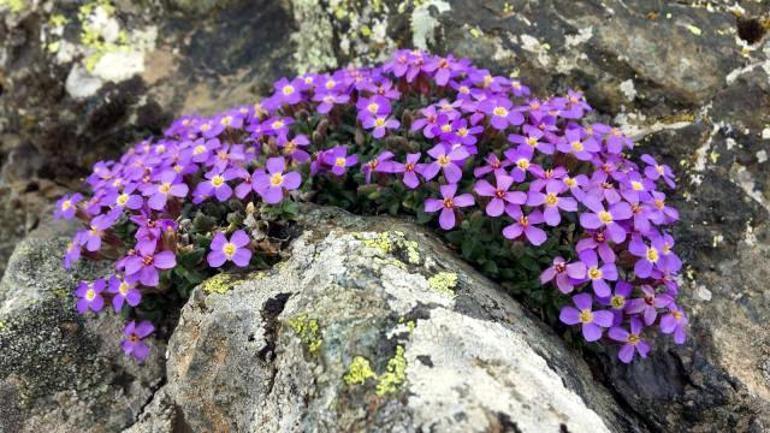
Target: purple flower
{"x": 525, "y": 224}
{"x": 216, "y": 185}
{"x": 133, "y": 344}
{"x": 565, "y": 274}
{"x": 494, "y": 164}
{"x": 72, "y": 253}
{"x": 551, "y": 203}
{"x": 501, "y": 113}
{"x": 373, "y": 107}
{"x": 598, "y": 274}
{"x": 146, "y": 264}
{"x": 618, "y": 300}
{"x": 410, "y": 168}
{"x": 380, "y": 124}
{"x": 445, "y": 160}
{"x": 234, "y": 250}
{"x": 500, "y": 194}
{"x": 633, "y": 342}
{"x": 674, "y": 322}
{"x": 655, "y": 171}
{"x": 597, "y": 241}
{"x": 271, "y": 185}
{"x": 123, "y": 291}
{"x": 289, "y": 92}
{"x": 90, "y": 296}
{"x": 602, "y": 217}
{"x": 648, "y": 305}
{"x": 337, "y": 157}
{"x": 328, "y": 100}
{"x": 649, "y": 255}
{"x": 521, "y": 158}
{"x": 381, "y": 164}
{"x": 591, "y": 321}
{"x": 532, "y": 139}
{"x": 573, "y": 142}
{"x": 67, "y": 206}
{"x": 448, "y": 204}
{"x": 169, "y": 185}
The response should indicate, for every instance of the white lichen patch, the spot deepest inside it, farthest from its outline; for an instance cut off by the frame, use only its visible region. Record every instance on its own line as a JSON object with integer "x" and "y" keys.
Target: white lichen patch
{"x": 742, "y": 177}
{"x": 104, "y": 52}
{"x": 582, "y": 36}
{"x": 761, "y": 156}
{"x": 628, "y": 89}
{"x": 424, "y": 24}
{"x": 533, "y": 45}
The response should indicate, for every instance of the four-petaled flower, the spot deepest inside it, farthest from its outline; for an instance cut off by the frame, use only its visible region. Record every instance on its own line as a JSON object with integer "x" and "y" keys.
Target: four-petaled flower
{"x": 133, "y": 336}
{"x": 632, "y": 341}
{"x": 271, "y": 185}
{"x": 448, "y": 204}
{"x": 90, "y": 295}
{"x": 233, "y": 250}
{"x": 501, "y": 194}
{"x": 591, "y": 321}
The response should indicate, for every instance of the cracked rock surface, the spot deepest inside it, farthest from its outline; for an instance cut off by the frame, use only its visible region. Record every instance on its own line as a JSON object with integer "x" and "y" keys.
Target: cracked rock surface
{"x": 274, "y": 353}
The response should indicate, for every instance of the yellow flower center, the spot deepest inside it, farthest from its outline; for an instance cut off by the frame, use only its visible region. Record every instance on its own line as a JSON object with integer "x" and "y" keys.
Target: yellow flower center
{"x": 551, "y": 199}
{"x": 570, "y": 182}
{"x": 205, "y": 127}
{"x": 122, "y": 199}
{"x": 373, "y": 107}
{"x": 123, "y": 288}
{"x": 462, "y": 132}
{"x": 379, "y": 122}
{"x": 586, "y": 316}
{"x": 340, "y": 162}
{"x": 66, "y": 204}
{"x": 90, "y": 294}
{"x": 523, "y": 163}
{"x": 278, "y": 124}
{"x": 464, "y": 90}
{"x": 637, "y": 186}
{"x": 199, "y": 149}
{"x": 487, "y": 80}
{"x": 500, "y": 111}
{"x": 677, "y": 315}
{"x": 660, "y": 204}
{"x": 449, "y": 203}
{"x": 652, "y": 254}
{"x": 229, "y": 249}
{"x": 633, "y": 338}
{"x": 618, "y": 301}
{"x": 532, "y": 141}
{"x": 659, "y": 169}
{"x": 330, "y": 84}
{"x": 595, "y": 273}
{"x": 446, "y": 127}
{"x": 165, "y": 187}
{"x": 443, "y": 160}
{"x": 524, "y": 221}
{"x": 217, "y": 181}
{"x": 276, "y": 179}
{"x": 226, "y": 121}
{"x": 288, "y": 89}
{"x": 605, "y": 217}
{"x": 160, "y": 148}
{"x": 577, "y": 146}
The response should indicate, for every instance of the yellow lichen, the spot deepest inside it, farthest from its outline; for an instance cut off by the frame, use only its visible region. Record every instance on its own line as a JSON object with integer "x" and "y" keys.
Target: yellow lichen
{"x": 308, "y": 330}
{"x": 15, "y": 6}
{"x": 220, "y": 284}
{"x": 359, "y": 371}
{"x": 390, "y": 242}
{"x": 444, "y": 283}
{"x": 395, "y": 374}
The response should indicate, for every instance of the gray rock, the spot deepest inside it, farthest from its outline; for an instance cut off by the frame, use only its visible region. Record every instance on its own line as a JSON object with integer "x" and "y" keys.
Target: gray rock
{"x": 372, "y": 325}
{"x": 59, "y": 372}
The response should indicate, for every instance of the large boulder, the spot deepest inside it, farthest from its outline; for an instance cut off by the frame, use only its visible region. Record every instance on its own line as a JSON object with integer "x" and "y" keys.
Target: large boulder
{"x": 371, "y": 324}
{"x": 59, "y": 372}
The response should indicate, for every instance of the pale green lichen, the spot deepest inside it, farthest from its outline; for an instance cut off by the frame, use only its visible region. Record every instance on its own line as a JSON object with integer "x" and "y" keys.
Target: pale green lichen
{"x": 395, "y": 374}
{"x": 391, "y": 242}
{"x": 444, "y": 283}
{"x": 2, "y": 326}
{"x": 359, "y": 371}
{"x": 219, "y": 284}
{"x": 308, "y": 330}
{"x": 15, "y": 6}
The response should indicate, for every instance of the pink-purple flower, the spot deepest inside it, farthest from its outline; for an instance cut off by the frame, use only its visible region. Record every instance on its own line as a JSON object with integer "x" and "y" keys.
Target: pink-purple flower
{"x": 448, "y": 204}
{"x": 233, "y": 250}
{"x": 592, "y": 322}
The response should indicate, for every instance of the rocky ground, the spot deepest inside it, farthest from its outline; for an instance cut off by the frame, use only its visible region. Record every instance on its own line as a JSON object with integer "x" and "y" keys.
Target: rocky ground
{"x": 689, "y": 79}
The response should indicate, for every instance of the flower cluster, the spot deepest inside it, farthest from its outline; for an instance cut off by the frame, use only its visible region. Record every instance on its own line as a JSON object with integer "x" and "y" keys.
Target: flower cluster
{"x": 445, "y": 137}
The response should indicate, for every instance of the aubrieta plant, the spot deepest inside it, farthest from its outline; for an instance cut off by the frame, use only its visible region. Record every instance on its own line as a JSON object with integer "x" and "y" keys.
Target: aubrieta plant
{"x": 547, "y": 204}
